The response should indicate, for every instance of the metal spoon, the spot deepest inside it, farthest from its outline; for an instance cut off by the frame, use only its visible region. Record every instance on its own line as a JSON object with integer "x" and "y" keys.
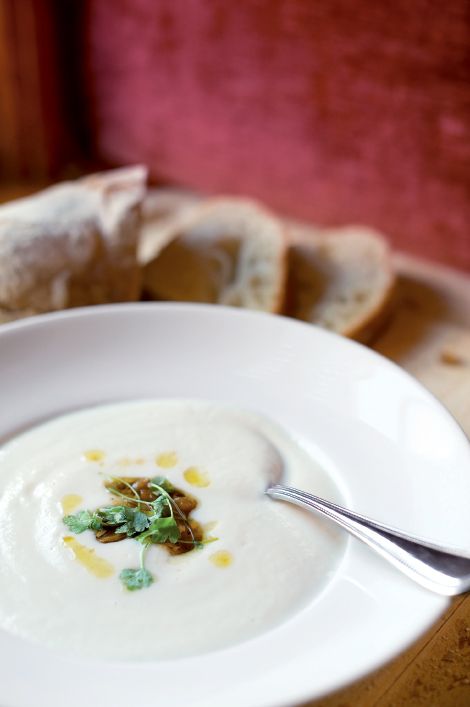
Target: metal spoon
{"x": 440, "y": 569}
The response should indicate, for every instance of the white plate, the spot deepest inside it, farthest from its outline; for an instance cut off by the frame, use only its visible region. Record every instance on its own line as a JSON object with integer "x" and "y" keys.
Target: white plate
{"x": 395, "y": 451}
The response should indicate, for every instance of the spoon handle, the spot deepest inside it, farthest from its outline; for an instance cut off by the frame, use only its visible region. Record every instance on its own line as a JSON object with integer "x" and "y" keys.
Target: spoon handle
{"x": 440, "y": 569}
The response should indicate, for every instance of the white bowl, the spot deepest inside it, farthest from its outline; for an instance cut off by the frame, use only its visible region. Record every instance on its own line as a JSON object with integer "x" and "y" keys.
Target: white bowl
{"x": 394, "y": 450}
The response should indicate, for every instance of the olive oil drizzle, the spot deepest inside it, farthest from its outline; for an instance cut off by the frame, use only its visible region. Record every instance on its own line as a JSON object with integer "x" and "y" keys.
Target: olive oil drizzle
{"x": 88, "y": 558}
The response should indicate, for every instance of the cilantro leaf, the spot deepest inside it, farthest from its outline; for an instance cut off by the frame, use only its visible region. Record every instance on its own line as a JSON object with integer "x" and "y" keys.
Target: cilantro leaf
{"x": 127, "y": 520}
{"x": 136, "y": 579}
{"x": 113, "y": 515}
{"x": 163, "y": 483}
{"x": 136, "y": 523}
{"x": 81, "y": 521}
{"x": 159, "y": 505}
{"x": 140, "y": 521}
{"x": 161, "y": 530}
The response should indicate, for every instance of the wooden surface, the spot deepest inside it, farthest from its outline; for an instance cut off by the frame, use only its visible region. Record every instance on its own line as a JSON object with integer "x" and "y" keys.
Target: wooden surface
{"x": 429, "y": 335}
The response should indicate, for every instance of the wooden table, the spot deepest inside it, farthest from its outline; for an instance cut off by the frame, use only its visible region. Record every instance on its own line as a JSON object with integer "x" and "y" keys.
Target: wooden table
{"x": 429, "y": 336}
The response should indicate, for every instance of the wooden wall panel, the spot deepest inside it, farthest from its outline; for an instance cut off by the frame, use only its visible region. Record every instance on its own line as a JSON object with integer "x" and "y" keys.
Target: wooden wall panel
{"x": 33, "y": 143}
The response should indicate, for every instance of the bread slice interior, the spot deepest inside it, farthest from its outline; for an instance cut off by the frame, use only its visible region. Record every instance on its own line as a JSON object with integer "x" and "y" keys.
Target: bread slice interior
{"x": 227, "y": 251}
{"x": 341, "y": 279}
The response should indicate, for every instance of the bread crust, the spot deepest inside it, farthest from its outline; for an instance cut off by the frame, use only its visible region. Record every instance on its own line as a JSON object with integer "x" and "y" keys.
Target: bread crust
{"x": 72, "y": 244}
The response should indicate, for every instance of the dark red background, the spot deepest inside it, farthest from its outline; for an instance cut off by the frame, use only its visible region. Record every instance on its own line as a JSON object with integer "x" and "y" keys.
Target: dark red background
{"x": 335, "y": 111}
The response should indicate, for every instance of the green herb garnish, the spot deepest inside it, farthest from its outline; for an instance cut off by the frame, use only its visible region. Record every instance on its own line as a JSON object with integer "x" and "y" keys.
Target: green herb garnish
{"x": 136, "y": 579}
{"x": 161, "y": 530}
{"x": 130, "y": 520}
{"x": 161, "y": 482}
{"x": 81, "y": 521}
{"x": 149, "y": 513}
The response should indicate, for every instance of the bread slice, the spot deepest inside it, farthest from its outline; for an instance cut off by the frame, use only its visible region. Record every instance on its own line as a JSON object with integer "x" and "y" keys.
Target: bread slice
{"x": 228, "y": 251}
{"x": 72, "y": 244}
{"x": 162, "y": 209}
{"x": 341, "y": 279}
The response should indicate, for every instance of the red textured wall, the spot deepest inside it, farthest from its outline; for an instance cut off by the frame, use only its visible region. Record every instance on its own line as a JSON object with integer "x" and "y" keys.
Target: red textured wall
{"x": 337, "y": 111}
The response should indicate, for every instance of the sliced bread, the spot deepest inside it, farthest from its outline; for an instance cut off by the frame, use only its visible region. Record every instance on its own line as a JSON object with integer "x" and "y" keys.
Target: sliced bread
{"x": 162, "y": 209}
{"x": 341, "y": 279}
{"x": 228, "y": 251}
{"x": 72, "y": 244}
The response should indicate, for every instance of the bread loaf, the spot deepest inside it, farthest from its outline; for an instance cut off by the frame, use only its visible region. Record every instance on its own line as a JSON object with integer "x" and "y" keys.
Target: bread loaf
{"x": 72, "y": 244}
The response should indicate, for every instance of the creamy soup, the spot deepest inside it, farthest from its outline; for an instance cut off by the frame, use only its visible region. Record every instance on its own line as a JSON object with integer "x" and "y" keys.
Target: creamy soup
{"x": 262, "y": 560}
